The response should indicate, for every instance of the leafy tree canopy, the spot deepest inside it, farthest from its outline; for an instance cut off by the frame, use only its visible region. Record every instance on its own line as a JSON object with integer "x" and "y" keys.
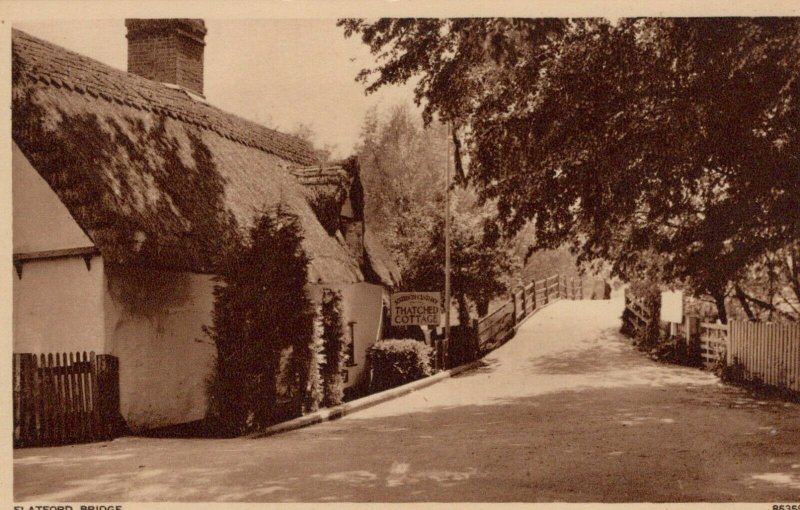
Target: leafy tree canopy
{"x": 669, "y": 136}
{"x": 402, "y": 167}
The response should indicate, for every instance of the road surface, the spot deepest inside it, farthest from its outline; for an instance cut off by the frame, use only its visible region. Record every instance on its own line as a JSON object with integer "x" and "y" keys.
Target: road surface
{"x": 565, "y": 411}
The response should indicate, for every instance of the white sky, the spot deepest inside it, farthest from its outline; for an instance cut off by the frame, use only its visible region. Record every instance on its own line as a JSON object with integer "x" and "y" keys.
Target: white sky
{"x": 276, "y": 72}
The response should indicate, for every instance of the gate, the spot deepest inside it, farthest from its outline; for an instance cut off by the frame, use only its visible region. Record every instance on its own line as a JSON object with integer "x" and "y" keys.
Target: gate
{"x": 65, "y": 398}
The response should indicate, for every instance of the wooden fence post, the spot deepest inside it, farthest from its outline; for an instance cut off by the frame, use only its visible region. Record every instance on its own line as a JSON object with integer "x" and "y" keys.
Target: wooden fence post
{"x": 17, "y": 385}
{"x": 513, "y": 310}
{"x": 692, "y": 328}
{"x": 107, "y": 371}
{"x": 474, "y": 341}
{"x": 524, "y": 303}
{"x": 732, "y": 330}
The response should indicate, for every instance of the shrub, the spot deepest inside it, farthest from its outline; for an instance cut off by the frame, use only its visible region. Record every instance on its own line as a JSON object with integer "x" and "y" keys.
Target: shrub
{"x": 733, "y": 373}
{"x": 649, "y": 292}
{"x": 736, "y": 374}
{"x": 261, "y": 310}
{"x": 627, "y": 328}
{"x": 675, "y": 349}
{"x": 397, "y": 362}
{"x": 334, "y": 348}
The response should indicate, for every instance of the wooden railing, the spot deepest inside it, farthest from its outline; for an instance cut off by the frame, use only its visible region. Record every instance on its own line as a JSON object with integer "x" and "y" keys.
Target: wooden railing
{"x": 65, "y": 398}
{"x": 497, "y": 327}
{"x": 639, "y": 316}
{"x": 713, "y": 342}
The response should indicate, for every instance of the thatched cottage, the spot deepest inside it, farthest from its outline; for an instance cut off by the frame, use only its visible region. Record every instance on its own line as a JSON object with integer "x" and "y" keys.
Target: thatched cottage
{"x": 127, "y": 186}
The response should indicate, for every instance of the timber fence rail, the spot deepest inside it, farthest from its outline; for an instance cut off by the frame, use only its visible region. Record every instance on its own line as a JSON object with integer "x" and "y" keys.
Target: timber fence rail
{"x": 767, "y": 351}
{"x": 62, "y": 398}
{"x": 713, "y": 342}
{"x": 500, "y": 325}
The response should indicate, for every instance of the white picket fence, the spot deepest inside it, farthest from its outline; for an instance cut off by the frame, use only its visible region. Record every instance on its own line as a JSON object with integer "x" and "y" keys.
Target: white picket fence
{"x": 766, "y": 350}
{"x": 769, "y": 351}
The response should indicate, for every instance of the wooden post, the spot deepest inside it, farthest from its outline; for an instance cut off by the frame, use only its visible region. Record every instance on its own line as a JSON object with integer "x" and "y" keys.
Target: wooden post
{"x": 547, "y": 289}
{"x": 533, "y": 295}
{"x": 16, "y": 365}
{"x": 108, "y": 383}
{"x": 96, "y": 416}
{"x": 580, "y": 287}
{"x": 513, "y": 309}
{"x": 36, "y": 398}
{"x": 692, "y": 324}
{"x": 47, "y": 393}
{"x": 732, "y": 329}
{"x": 524, "y": 303}
{"x": 475, "y": 341}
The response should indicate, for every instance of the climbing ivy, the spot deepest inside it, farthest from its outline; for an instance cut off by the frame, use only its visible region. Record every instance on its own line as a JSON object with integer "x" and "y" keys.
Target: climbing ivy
{"x": 335, "y": 348}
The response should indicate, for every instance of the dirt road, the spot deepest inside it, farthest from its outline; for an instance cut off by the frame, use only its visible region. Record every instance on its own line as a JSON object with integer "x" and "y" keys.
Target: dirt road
{"x": 566, "y": 411}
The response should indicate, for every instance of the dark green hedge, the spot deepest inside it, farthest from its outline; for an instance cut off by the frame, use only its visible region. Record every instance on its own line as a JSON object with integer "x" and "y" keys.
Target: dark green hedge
{"x": 397, "y": 362}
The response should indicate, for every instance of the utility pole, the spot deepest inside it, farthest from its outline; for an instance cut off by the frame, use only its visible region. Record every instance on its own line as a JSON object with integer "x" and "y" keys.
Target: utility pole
{"x": 446, "y": 345}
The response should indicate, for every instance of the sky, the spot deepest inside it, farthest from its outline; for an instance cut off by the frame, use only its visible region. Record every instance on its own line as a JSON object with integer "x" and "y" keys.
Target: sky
{"x": 278, "y": 72}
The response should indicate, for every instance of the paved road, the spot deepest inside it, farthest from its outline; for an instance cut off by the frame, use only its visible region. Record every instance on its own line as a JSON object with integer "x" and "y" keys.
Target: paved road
{"x": 566, "y": 411}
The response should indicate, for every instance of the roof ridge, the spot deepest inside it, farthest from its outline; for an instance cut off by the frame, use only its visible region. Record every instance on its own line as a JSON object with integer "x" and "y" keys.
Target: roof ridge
{"x": 62, "y": 67}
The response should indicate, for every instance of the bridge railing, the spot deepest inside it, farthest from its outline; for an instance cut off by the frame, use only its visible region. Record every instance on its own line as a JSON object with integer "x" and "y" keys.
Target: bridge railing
{"x": 470, "y": 341}
{"x": 500, "y": 325}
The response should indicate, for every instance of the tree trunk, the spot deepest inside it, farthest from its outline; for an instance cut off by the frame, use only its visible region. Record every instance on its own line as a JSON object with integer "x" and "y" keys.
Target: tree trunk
{"x": 483, "y": 308}
{"x": 463, "y": 310}
{"x": 745, "y": 305}
{"x": 719, "y": 300}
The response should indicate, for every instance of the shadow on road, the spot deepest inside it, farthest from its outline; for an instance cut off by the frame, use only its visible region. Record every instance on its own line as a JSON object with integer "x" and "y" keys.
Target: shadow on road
{"x": 564, "y": 412}
{"x": 636, "y": 443}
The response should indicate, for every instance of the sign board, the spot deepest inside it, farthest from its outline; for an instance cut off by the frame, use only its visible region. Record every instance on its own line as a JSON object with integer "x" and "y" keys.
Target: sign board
{"x": 672, "y": 306}
{"x": 416, "y": 308}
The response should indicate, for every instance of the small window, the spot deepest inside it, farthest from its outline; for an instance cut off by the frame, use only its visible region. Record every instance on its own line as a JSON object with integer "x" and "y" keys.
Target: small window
{"x": 351, "y": 344}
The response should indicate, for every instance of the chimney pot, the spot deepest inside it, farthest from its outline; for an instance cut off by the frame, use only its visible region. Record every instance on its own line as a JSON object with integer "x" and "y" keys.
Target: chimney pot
{"x": 167, "y": 50}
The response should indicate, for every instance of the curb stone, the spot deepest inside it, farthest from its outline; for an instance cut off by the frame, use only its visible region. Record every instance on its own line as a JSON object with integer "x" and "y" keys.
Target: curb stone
{"x": 339, "y": 411}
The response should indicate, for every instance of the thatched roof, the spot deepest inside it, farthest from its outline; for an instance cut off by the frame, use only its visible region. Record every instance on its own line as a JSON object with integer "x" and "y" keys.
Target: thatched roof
{"x": 153, "y": 176}
{"x": 379, "y": 261}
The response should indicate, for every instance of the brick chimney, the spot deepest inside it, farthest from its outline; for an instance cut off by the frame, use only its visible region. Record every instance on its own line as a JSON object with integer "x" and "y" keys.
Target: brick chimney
{"x": 167, "y": 50}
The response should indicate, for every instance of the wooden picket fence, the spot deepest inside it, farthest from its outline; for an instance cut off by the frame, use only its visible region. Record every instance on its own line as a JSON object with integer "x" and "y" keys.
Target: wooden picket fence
{"x": 62, "y": 398}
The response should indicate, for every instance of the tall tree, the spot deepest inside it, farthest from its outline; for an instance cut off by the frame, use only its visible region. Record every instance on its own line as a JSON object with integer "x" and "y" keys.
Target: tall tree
{"x": 402, "y": 169}
{"x": 677, "y": 136}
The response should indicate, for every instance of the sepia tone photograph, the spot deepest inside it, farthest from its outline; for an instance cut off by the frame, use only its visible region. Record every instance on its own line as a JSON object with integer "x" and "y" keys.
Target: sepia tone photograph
{"x": 448, "y": 259}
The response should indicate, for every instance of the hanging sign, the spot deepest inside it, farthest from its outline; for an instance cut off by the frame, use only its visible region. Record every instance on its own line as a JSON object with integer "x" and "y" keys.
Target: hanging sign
{"x": 672, "y": 306}
{"x": 416, "y": 308}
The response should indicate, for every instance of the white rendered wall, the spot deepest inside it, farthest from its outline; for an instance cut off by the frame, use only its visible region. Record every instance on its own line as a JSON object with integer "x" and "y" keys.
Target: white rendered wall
{"x": 154, "y": 323}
